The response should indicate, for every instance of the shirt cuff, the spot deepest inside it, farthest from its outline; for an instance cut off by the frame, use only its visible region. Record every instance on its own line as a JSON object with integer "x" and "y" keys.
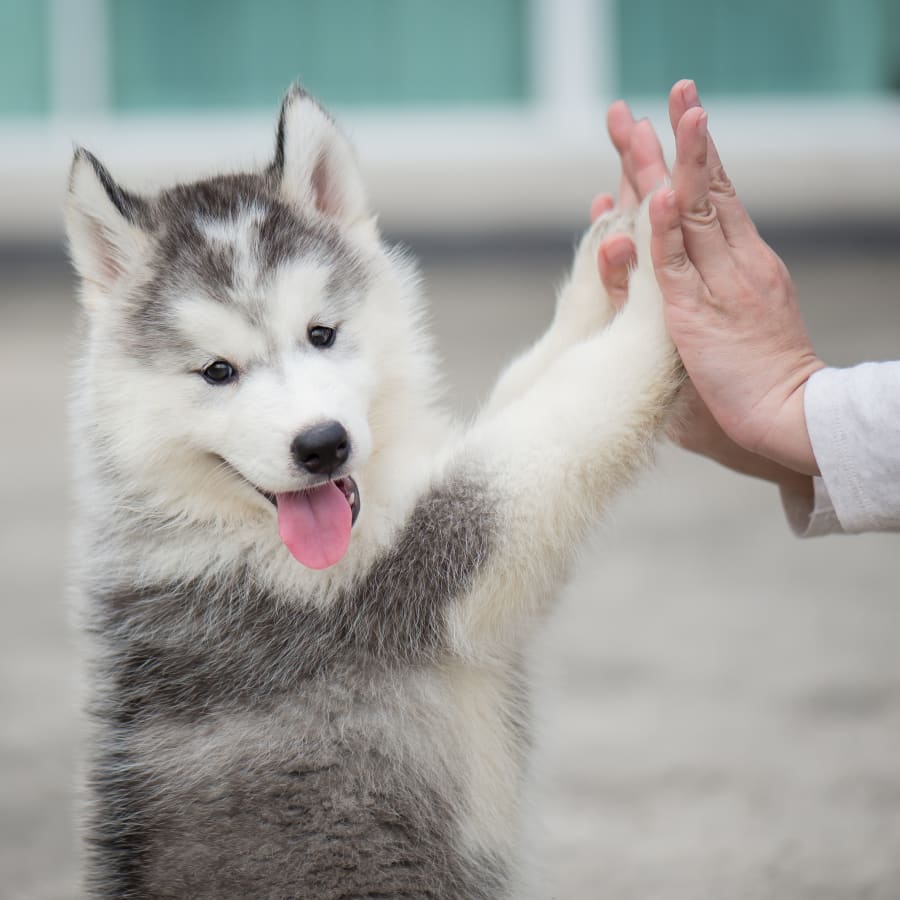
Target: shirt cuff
{"x": 810, "y": 516}
{"x": 853, "y": 418}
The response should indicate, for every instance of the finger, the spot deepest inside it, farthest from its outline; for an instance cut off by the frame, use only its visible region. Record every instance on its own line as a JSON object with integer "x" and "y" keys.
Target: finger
{"x": 682, "y": 97}
{"x": 679, "y": 281}
{"x": 628, "y": 198}
{"x": 703, "y": 237}
{"x": 602, "y": 203}
{"x": 736, "y": 223}
{"x": 620, "y": 124}
{"x": 615, "y": 258}
{"x": 646, "y": 162}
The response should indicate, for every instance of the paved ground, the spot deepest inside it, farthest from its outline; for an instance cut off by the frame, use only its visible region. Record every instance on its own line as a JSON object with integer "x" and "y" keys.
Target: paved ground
{"x": 719, "y": 702}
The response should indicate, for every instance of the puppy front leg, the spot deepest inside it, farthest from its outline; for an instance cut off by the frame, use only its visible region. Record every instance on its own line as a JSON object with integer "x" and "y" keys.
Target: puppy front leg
{"x": 582, "y": 308}
{"x": 552, "y": 458}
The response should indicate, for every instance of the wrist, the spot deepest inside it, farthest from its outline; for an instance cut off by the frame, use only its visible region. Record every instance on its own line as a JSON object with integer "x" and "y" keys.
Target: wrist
{"x": 787, "y": 442}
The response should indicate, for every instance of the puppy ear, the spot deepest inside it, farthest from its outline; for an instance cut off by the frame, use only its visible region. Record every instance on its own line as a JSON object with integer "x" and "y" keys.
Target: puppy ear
{"x": 315, "y": 162}
{"x": 106, "y": 226}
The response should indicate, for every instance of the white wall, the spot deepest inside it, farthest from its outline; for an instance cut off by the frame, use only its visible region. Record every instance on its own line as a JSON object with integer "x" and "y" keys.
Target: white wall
{"x": 500, "y": 170}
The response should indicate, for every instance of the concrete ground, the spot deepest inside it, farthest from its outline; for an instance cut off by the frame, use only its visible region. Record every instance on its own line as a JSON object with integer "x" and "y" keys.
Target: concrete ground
{"x": 718, "y": 702}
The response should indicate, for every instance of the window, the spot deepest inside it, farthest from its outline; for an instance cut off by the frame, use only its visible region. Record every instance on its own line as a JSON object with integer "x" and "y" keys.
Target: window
{"x": 244, "y": 53}
{"x": 24, "y": 57}
{"x": 763, "y": 46}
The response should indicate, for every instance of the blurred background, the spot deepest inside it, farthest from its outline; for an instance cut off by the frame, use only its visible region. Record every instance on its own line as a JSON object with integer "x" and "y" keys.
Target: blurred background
{"x": 719, "y": 702}
{"x": 469, "y": 116}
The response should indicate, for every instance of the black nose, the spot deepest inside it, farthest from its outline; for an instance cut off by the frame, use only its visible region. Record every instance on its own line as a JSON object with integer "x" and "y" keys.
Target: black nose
{"x": 322, "y": 448}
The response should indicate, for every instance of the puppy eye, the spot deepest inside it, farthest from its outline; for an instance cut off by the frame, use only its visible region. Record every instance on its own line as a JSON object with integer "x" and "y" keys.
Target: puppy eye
{"x": 219, "y": 372}
{"x": 321, "y": 335}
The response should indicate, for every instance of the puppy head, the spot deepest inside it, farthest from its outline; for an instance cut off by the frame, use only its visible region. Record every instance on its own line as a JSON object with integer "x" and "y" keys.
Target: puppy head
{"x": 241, "y": 331}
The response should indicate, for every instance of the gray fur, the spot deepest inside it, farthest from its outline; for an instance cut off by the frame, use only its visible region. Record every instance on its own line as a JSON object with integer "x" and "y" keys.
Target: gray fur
{"x": 181, "y": 646}
{"x": 264, "y": 730}
{"x": 328, "y": 814}
{"x": 186, "y": 260}
{"x": 282, "y": 234}
{"x": 337, "y": 818}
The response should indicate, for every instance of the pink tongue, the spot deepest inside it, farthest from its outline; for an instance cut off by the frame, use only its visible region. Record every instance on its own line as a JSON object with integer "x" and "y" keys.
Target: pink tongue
{"x": 315, "y": 525}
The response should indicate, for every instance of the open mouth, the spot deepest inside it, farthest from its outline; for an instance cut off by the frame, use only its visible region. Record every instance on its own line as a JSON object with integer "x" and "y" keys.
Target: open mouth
{"x": 351, "y": 492}
{"x": 314, "y": 523}
{"x": 346, "y": 485}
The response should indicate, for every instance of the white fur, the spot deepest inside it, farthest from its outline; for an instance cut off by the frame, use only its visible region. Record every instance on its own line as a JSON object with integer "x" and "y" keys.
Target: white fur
{"x": 568, "y": 424}
{"x": 318, "y": 155}
{"x": 106, "y": 249}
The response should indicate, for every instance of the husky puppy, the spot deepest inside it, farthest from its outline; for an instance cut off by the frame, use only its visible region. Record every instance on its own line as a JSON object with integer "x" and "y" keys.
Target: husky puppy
{"x": 307, "y": 591}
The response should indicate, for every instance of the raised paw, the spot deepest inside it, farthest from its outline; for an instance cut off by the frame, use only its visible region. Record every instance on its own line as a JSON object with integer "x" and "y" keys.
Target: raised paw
{"x": 584, "y": 306}
{"x": 645, "y": 303}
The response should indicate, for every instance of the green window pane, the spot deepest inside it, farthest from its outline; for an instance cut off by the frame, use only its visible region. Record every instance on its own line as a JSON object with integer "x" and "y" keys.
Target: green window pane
{"x": 24, "y": 82}
{"x": 892, "y": 47}
{"x": 780, "y": 46}
{"x": 210, "y": 53}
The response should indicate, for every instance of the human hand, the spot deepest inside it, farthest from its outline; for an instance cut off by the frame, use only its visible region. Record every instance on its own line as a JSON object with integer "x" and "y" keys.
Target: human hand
{"x": 741, "y": 336}
{"x": 643, "y": 170}
{"x": 731, "y": 306}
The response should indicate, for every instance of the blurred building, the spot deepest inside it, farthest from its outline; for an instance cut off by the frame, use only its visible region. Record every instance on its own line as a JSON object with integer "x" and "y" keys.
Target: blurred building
{"x": 472, "y": 115}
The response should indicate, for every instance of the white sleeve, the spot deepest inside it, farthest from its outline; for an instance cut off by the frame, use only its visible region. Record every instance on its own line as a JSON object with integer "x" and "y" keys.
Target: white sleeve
{"x": 853, "y": 417}
{"x": 811, "y": 516}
